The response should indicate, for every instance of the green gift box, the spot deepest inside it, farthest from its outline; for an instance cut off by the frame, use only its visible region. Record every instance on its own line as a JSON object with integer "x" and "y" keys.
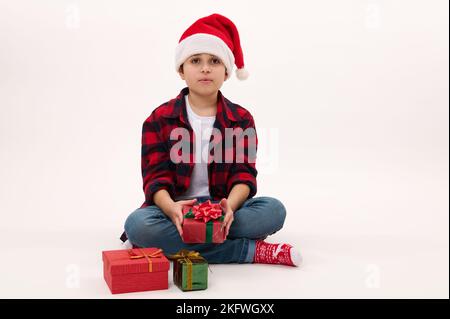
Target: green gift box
{"x": 190, "y": 270}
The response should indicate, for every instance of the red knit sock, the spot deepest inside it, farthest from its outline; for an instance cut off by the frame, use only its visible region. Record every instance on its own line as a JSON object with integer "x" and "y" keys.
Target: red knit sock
{"x": 285, "y": 254}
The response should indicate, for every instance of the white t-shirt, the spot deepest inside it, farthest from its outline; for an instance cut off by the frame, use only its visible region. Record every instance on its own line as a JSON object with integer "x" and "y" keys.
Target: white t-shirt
{"x": 202, "y": 126}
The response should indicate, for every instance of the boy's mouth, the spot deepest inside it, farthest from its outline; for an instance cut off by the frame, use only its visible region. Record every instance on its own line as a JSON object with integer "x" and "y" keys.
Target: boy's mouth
{"x": 205, "y": 81}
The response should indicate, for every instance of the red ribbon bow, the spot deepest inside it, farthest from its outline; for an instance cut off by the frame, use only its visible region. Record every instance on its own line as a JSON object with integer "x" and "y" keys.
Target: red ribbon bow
{"x": 207, "y": 211}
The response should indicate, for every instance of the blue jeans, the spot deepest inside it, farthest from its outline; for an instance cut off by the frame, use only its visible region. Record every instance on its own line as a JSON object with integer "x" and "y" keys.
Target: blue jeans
{"x": 257, "y": 218}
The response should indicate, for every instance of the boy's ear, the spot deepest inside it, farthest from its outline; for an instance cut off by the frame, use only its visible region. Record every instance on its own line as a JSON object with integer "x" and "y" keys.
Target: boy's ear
{"x": 180, "y": 72}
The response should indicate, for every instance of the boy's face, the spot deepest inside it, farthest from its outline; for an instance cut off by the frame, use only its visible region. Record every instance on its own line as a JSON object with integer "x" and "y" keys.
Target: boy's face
{"x": 203, "y": 73}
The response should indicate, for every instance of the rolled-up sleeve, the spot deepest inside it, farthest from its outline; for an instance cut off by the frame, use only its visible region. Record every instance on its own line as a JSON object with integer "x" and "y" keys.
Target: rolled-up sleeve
{"x": 244, "y": 172}
{"x": 155, "y": 161}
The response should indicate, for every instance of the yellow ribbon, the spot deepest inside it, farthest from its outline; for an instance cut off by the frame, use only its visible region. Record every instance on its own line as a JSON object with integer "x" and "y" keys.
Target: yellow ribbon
{"x": 155, "y": 254}
{"x": 187, "y": 256}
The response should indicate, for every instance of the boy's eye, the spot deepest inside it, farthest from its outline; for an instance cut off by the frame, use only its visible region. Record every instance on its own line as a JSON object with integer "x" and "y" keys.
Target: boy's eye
{"x": 213, "y": 60}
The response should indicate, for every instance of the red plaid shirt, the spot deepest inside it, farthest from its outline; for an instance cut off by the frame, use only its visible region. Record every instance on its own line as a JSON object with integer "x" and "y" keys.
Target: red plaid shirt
{"x": 160, "y": 172}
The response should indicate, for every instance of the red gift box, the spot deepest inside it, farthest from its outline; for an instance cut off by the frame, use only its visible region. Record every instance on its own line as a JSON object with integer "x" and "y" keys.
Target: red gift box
{"x": 133, "y": 270}
{"x": 203, "y": 223}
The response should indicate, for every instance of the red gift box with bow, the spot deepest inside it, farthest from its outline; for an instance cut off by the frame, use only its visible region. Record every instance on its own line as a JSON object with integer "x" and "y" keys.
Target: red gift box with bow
{"x": 133, "y": 270}
{"x": 202, "y": 223}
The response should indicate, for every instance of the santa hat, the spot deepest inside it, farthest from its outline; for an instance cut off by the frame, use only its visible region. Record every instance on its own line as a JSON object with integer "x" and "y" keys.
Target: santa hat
{"x": 217, "y": 35}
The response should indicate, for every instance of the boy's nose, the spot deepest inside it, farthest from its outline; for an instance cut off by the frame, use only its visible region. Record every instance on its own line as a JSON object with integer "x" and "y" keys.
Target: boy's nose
{"x": 205, "y": 68}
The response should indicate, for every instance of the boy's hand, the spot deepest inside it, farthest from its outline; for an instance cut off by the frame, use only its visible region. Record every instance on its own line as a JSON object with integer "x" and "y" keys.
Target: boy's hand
{"x": 229, "y": 216}
{"x": 175, "y": 213}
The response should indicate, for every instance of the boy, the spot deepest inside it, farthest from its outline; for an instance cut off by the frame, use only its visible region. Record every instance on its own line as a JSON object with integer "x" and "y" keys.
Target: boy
{"x": 204, "y": 59}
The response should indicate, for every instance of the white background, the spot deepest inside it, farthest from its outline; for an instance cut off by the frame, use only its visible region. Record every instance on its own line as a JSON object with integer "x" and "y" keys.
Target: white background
{"x": 355, "y": 94}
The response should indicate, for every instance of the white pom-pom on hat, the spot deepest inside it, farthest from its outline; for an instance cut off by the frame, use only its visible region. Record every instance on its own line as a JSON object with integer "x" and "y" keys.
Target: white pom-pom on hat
{"x": 242, "y": 74}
